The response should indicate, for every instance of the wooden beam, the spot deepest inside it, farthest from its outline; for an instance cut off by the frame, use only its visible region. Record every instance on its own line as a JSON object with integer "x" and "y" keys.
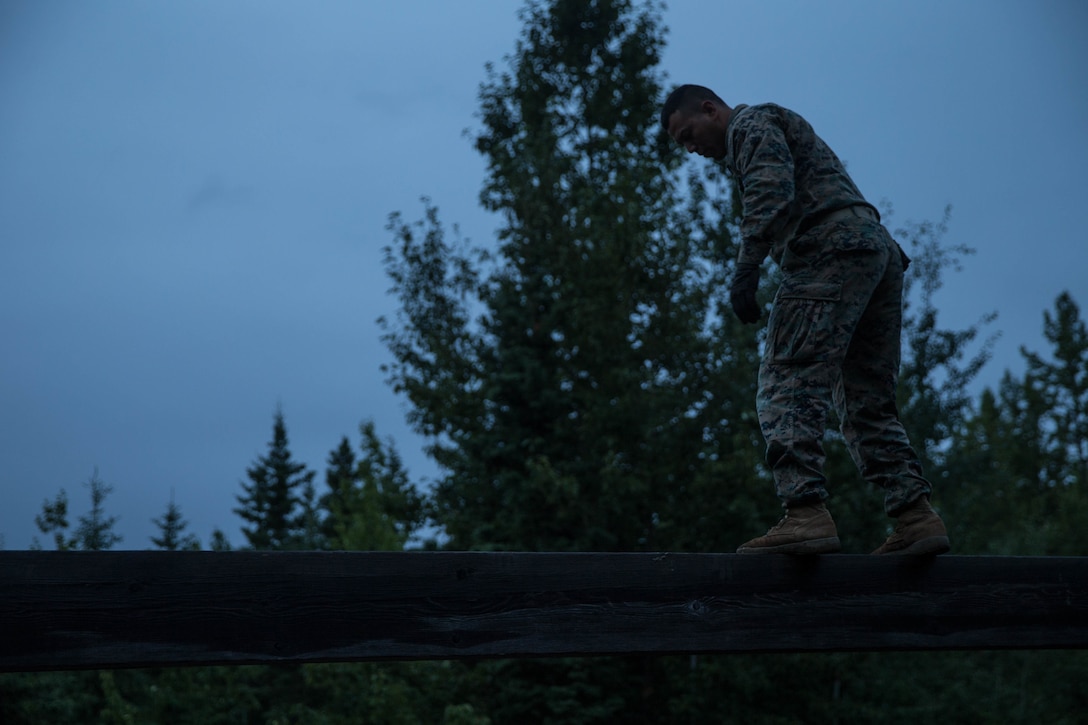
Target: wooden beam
{"x": 69, "y": 610}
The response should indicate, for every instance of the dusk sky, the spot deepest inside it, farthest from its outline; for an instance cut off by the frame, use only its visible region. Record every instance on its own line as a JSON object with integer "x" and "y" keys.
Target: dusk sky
{"x": 193, "y": 200}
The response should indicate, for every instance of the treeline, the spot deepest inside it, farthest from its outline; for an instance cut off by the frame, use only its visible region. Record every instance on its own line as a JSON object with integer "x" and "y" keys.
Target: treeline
{"x": 367, "y": 504}
{"x": 584, "y": 388}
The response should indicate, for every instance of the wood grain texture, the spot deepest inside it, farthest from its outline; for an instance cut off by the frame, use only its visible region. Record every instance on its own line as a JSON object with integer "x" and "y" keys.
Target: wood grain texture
{"x": 70, "y": 610}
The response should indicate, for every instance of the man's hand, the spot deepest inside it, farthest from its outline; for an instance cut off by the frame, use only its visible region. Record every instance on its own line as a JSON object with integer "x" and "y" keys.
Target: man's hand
{"x": 743, "y": 292}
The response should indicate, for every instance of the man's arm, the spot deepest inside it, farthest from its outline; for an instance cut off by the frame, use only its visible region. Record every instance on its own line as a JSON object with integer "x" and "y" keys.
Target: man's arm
{"x": 765, "y": 169}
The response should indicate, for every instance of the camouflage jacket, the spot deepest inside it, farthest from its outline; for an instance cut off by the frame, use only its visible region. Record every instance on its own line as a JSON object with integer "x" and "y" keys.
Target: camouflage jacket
{"x": 787, "y": 176}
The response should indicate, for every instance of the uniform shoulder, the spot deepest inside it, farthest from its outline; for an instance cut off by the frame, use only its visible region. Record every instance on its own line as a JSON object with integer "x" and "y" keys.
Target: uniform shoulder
{"x": 765, "y": 110}
{"x": 759, "y": 114}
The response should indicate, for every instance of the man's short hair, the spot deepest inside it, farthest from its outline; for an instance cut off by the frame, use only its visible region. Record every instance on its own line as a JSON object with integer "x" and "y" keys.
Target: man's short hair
{"x": 686, "y": 97}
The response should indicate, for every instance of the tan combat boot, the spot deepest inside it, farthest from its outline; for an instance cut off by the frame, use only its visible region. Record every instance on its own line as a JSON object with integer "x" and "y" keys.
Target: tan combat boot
{"x": 803, "y": 530}
{"x": 920, "y": 532}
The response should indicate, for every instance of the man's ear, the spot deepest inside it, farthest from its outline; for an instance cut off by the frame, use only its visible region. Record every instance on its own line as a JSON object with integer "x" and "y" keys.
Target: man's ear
{"x": 709, "y": 107}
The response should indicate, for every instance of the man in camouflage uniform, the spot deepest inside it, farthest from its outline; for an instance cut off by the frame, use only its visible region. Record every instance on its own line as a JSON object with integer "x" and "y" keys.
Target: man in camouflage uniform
{"x": 833, "y": 338}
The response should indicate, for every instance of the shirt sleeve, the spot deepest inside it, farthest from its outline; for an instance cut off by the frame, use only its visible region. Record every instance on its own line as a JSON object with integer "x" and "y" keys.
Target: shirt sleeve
{"x": 765, "y": 170}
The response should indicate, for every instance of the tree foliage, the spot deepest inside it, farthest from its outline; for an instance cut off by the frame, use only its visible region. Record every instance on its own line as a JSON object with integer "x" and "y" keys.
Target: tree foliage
{"x": 1020, "y": 479}
{"x": 575, "y": 380}
{"x": 1062, "y": 387}
{"x": 54, "y": 520}
{"x": 94, "y": 529}
{"x": 273, "y": 502}
{"x": 172, "y": 525}
{"x": 371, "y": 505}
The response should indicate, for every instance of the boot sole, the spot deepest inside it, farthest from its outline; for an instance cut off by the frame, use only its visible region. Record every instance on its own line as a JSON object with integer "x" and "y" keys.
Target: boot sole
{"x": 932, "y": 546}
{"x": 830, "y": 545}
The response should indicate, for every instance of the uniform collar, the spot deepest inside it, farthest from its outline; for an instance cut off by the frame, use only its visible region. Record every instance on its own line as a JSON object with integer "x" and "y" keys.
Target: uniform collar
{"x": 728, "y": 159}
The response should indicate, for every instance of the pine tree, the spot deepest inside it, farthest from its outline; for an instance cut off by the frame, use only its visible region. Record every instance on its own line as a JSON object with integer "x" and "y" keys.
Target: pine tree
{"x": 340, "y": 480}
{"x": 54, "y": 520}
{"x": 371, "y": 504}
{"x": 995, "y": 484}
{"x": 95, "y": 530}
{"x": 272, "y": 503}
{"x": 1063, "y": 384}
{"x": 1023, "y": 454}
{"x": 307, "y": 522}
{"x": 219, "y": 541}
{"x": 599, "y": 399}
{"x": 172, "y": 525}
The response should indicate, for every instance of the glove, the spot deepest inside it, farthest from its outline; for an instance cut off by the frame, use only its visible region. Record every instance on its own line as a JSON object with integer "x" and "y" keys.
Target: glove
{"x": 742, "y": 294}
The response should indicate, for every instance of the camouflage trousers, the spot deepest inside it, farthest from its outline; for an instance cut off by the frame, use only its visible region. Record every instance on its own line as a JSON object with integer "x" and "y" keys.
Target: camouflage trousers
{"x": 833, "y": 343}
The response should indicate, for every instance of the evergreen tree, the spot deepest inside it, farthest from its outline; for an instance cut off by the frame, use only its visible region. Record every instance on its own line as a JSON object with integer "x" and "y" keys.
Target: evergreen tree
{"x": 340, "y": 480}
{"x": 94, "y": 530}
{"x": 54, "y": 520}
{"x": 307, "y": 536}
{"x": 598, "y": 400}
{"x": 172, "y": 525}
{"x": 1022, "y": 455}
{"x": 385, "y": 481}
{"x": 219, "y": 541}
{"x": 371, "y": 505}
{"x": 1063, "y": 386}
{"x": 273, "y": 502}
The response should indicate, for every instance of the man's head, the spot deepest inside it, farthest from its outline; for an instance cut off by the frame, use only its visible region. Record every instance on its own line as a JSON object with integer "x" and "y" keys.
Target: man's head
{"x": 696, "y": 119}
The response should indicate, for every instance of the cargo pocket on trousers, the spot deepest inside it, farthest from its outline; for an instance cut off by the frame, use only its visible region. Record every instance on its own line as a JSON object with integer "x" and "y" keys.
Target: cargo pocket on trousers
{"x": 801, "y": 324}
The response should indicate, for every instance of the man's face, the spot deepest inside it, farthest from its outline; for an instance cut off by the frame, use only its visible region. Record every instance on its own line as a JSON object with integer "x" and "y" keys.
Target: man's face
{"x": 700, "y": 131}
